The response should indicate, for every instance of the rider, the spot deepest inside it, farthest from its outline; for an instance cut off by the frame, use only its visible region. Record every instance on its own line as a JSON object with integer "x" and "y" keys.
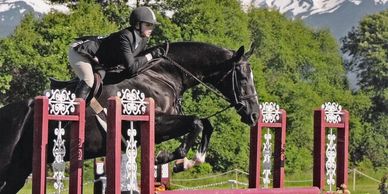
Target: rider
{"x": 119, "y": 48}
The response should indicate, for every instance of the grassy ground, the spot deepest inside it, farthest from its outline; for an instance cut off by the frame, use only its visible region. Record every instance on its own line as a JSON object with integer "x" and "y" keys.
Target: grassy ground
{"x": 88, "y": 188}
{"x": 362, "y": 186}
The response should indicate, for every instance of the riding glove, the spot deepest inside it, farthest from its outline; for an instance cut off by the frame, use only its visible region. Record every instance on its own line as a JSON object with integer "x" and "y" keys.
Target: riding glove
{"x": 158, "y": 52}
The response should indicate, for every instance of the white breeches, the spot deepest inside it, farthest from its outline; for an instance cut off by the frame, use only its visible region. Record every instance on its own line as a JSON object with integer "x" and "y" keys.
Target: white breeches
{"x": 82, "y": 66}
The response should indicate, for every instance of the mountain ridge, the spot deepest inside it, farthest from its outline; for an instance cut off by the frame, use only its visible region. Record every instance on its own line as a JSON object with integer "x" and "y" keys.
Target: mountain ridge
{"x": 12, "y": 11}
{"x": 302, "y": 9}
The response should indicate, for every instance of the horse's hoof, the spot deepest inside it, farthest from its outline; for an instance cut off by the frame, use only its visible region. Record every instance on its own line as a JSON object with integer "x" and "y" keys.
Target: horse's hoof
{"x": 162, "y": 158}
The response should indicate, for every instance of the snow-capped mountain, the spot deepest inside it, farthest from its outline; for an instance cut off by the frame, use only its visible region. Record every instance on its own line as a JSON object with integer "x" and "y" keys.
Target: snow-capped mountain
{"x": 337, "y": 15}
{"x": 305, "y": 8}
{"x": 12, "y": 11}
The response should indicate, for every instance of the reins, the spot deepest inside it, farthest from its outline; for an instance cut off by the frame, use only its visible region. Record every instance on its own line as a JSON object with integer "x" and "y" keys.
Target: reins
{"x": 232, "y": 70}
{"x": 195, "y": 77}
{"x": 204, "y": 84}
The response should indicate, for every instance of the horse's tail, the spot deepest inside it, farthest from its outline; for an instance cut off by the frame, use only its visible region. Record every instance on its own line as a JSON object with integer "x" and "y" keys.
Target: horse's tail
{"x": 13, "y": 120}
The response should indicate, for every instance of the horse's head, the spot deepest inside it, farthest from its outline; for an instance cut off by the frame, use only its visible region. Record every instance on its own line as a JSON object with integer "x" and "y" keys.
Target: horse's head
{"x": 238, "y": 86}
{"x": 226, "y": 70}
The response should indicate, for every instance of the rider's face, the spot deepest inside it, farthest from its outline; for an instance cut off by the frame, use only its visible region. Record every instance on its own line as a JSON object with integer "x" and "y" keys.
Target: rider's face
{"x": 146, "y": 29}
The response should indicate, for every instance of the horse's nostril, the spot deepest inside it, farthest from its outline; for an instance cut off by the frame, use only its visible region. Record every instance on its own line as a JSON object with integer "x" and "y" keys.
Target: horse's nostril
{"x": 255, "y": 117}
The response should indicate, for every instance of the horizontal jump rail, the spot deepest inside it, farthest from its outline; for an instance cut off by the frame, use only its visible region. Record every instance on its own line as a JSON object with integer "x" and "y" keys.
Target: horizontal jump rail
{"x": 311, "y": 190}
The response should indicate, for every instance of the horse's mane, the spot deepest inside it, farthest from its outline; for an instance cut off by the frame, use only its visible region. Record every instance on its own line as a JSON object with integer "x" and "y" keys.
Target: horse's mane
{"x": 187, "y": 45}
{"x": 175, "y": 51}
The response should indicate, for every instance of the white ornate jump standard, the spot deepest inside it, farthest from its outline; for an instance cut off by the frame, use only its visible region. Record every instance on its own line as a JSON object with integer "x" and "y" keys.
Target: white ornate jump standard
{"x": 331, "y": 157}
{"x": 133, "y": 103}
{"x": 61, "y": 102}
{"x": 130, "y": 106}
{"x": 60, "y": 106}
{"x": 270, "y": 117}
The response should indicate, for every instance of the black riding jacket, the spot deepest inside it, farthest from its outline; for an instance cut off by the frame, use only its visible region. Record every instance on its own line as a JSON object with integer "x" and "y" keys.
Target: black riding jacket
{"x": 116, "y": 49}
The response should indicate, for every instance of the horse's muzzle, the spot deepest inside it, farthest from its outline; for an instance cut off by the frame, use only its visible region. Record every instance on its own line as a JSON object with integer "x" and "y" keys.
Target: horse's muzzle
{"x": 250, "y": 119}
{"x": 254, "y": 118}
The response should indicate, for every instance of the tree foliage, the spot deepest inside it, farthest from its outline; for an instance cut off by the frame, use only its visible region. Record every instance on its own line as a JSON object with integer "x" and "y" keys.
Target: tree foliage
{"x": 222, "y": 23}
{"x": 301, "y": 68}
{"x": 219, "y": 22}
{"x": 295, "y": 66}
{"x": 38, "y": 49}
{"x": 367, "y": 46}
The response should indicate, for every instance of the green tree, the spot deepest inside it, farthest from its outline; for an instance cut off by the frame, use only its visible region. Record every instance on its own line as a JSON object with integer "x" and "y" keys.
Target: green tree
{"x": 301, "y": 68}
{"x": 38, "y": 49}
{"x": 118, "y": 12}
{"x": 219, "y": 22}
{"x": 367, "y": 46}
{"x": 222, "y": 23}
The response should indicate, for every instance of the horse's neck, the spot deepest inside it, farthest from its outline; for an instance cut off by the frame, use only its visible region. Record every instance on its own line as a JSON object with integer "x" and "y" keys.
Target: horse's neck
{"x": 192, "y": 72}
{"x": 201, "y": 73}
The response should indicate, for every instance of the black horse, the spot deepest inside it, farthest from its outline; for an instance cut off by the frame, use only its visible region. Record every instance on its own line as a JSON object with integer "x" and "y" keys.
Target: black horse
{"x": 187, "y": 64}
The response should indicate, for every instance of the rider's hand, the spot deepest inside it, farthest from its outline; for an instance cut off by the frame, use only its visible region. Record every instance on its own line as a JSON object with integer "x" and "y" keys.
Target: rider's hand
{"x": 158, "y": 52}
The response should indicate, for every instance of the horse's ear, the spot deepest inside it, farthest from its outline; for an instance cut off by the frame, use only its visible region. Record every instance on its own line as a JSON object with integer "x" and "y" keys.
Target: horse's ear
{"x": 240, "y": 52}
{"x": 250, "y": 52}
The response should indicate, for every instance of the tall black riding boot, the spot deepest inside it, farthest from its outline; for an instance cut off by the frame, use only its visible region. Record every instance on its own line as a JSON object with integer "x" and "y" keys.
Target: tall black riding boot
{"x": 82, "y": 90}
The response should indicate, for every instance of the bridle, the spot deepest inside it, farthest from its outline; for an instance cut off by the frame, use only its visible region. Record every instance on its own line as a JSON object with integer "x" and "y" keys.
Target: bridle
{"x": 236, "y": 86}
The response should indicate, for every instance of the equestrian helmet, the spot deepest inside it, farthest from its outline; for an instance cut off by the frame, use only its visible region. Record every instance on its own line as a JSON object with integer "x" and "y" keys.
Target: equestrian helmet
{"x": 142, "y": 14}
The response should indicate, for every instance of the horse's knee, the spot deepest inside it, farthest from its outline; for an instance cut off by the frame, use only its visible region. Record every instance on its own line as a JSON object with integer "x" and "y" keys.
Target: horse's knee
{"x": 197, "y": 124}
{"x": 180, "y": 152}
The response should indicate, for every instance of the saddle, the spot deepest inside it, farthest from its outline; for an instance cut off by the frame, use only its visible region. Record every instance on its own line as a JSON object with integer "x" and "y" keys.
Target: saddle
{"x": 72, "y": 84}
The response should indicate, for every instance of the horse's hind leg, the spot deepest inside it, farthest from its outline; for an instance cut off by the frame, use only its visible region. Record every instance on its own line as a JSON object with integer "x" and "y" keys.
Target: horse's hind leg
{"x": 13, "y": 119}
{"x": 16, "y": 176}
{"x": 21, "y": 163}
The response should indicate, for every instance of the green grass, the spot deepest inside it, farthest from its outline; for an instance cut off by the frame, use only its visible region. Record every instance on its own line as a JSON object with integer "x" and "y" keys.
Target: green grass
{"x": 363, "y": 185}
{"x": 27, "y": 189}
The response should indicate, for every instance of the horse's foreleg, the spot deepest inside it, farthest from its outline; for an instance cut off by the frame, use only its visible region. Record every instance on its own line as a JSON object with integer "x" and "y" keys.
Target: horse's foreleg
{"x": 173, "y": 126}
{"x": 206, "y": 134}
{"x": 184, "y": 164}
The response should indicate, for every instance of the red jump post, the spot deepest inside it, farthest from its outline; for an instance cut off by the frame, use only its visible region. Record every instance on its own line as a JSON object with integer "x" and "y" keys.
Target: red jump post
{"x": 330, "y": 115}
{"x": 42, "y": 115}
{"x": 279, "y": 124}
{"x": 113, "y": 158}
